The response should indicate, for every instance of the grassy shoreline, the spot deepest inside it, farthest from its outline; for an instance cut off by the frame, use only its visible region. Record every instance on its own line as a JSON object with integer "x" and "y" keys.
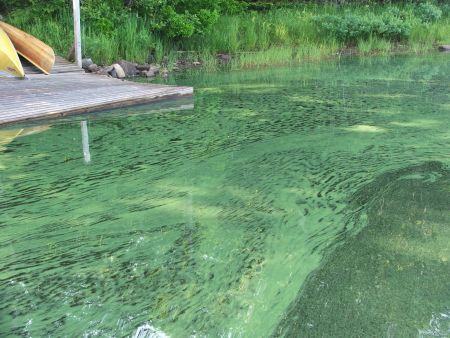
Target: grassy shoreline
{"x": 279, "y": 36}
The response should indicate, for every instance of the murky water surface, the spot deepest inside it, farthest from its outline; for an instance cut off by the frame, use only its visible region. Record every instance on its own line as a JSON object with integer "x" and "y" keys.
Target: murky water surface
{"x": 302, "y": 202}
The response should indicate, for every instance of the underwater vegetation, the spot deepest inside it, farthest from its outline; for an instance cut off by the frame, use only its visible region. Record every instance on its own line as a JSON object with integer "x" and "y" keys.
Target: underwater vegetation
{"x": 391, "y": 279}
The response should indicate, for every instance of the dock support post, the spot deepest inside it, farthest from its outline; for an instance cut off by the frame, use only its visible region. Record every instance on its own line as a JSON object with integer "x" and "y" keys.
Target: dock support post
{"x": 77, "y": 31}
{"x": 85, "y": 141}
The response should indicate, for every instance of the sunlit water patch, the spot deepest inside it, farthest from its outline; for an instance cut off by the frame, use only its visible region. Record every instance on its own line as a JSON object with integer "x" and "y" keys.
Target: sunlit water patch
{"x": 281, "y": 197}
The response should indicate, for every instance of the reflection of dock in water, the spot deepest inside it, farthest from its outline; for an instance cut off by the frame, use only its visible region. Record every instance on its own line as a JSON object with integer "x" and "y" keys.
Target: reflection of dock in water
{"x": 68, "y": 90}
{"x": 24, "y": 128}
{"x": 9, "y": 135}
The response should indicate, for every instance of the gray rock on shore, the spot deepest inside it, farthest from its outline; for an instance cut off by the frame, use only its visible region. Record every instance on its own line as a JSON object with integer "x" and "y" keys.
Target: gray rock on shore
{"x": 155, "y": 69}
{"x": 93, "y": 68}
{"x": 129, "y": 68}
{"x": 86, "y": 62}
{"x": 444, "y": 48}
{"x": 224, "y": 58}
{"x": 123, "y": 69}
{"x": 118, "y": 71}
{"x": 105, "y": 70}
{"x": 143, "y": 67}
{"x": 148, "y": 73}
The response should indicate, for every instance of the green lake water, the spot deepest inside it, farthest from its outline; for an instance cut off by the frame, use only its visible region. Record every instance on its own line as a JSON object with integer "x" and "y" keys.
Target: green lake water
{"x": 311, "y": 201}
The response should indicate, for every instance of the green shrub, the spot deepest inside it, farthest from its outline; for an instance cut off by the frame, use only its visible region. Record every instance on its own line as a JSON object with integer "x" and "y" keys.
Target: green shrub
{"x": 350, "y": 28}
{"x": 393, "y": 28}
{"x": 428, "y": 13}
{"x": 446, "y": 10}
{"x": 93, "y": 12}
{"x": 181, "y": 18}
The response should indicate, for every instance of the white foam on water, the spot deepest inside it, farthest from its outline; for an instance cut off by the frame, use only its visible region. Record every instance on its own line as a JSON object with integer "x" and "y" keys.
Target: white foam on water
{"x": 439, "y": 326}
{"x": 148, "y": 331}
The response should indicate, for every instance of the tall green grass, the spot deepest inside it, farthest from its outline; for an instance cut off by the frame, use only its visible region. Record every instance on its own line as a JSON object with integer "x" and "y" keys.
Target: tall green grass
{"x": 374, "y": 45}
{"x": 132, "y": 41}
{"x": 291, "y": 35}
{"x": 56, "y": 31}
{"x": 279, "y": 36}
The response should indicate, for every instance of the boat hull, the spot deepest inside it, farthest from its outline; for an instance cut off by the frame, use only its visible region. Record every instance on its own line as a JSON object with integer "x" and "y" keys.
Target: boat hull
{"x": 9, "y": 60}
{"x": 31, "y": 48}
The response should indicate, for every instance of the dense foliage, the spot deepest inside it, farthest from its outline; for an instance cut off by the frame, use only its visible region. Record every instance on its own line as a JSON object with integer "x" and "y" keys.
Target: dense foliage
{"x": 262, "y": 32}
{"x": 184, "y": 18}
{"x": 428, "y": 12}
{"x": 173, "y": 18}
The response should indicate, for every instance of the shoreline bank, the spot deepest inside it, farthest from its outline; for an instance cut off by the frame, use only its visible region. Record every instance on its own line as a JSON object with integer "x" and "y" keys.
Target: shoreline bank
{"x": 249, "y": 38}
{"x": 246, "y": 60}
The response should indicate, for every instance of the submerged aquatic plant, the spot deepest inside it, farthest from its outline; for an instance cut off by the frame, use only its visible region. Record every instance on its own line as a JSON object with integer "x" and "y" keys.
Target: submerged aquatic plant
{"x": 392, "y": 276}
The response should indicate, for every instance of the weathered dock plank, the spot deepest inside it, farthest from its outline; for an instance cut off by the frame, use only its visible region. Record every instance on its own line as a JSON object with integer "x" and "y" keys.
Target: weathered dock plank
{"x": 68, "y": 90}
{"x": 61, "y": 66}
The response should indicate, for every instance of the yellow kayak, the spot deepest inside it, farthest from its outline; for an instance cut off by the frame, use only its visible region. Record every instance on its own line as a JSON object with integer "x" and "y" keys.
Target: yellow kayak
{"x": 31, "y": 48}
{"x": 8, "y": 135}
{"x": 9, "y": 60}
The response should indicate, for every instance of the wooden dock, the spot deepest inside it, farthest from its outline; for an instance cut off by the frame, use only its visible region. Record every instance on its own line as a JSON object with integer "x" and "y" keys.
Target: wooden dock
{"x": 69, "y": 90}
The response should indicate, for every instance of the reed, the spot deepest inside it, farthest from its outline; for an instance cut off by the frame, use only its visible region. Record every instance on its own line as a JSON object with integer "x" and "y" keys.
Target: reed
{"x": 374, "y": 45}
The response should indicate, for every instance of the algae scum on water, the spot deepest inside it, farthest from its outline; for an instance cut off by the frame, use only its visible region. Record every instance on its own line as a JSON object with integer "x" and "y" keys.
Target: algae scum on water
{"x": 298, "y": 202}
